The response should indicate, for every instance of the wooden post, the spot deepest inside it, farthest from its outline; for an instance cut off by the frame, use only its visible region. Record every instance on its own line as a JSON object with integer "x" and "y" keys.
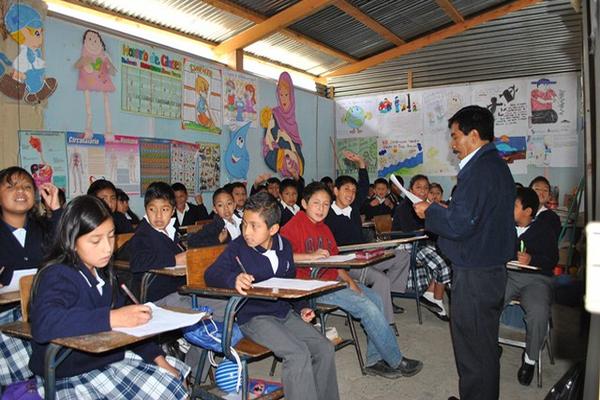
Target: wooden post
{"x": 409, "y": 79}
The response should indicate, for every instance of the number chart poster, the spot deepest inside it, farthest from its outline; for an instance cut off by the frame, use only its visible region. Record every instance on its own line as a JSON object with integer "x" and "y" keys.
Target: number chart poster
{"x": 123, "y": 163}
{"x": 201, "y": 106}
{"x": 44, "y": 155}
{"x": 183, "y": 160}
{"x": 150, "y": 81}
{"x": 240, "y": 94}
{"x": 155, "y": 161}
{"x": 208, "y": 167}
{"x": 86, "y": 161}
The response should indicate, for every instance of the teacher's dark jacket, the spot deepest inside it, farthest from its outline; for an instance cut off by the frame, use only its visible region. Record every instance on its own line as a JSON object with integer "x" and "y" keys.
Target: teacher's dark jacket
{"x": 477, "y": 230}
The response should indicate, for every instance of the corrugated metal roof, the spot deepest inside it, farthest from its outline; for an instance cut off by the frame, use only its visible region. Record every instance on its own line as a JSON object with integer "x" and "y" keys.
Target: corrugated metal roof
{"x": 266, "y": 7}
{"x": 542, "y": 39}
{"x": 470, "y": 7}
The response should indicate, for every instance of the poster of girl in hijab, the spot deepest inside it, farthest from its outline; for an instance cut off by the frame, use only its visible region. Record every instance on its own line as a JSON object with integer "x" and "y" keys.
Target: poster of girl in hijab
{"x": 282, "y": 145}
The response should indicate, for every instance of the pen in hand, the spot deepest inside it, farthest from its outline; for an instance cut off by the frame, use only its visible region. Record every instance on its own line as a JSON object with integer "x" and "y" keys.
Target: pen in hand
{"x": 241, "y": 265}
{"x": 522, "y": 246}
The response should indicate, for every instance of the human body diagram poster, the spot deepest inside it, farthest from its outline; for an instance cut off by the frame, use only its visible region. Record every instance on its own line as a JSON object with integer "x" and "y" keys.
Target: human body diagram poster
{"x": 201, "y": 108}
{"x": 44, "y": 155}
{"x": 535, "y": 124}
{"x": 123, "y": 163}
{"x": 86, "y": 157}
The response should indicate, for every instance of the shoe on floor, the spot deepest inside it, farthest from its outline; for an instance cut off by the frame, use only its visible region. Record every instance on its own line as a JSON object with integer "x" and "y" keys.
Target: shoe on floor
{"x": 525, "y": 374}
{"x": 430, "y": 305}
{"x": 453, "y": 398}
{"x": 397, "y": 309}
{"x": 409, "y": 367}
{"x": 443, "y": 317}
{"x": 381, "y": 368}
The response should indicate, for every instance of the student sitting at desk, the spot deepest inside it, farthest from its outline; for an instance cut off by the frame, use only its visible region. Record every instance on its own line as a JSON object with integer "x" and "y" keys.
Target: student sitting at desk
{"x": 380, "y": 203}
{"x": 107, "y": 192}
{"x": 123, "y": 207}
{"x": 344, "y": 221}
{"x": 537, "y": 247}
{"x": 240, "y": 195}
{"x": 225, "y": 225}
{"x": 541, "y": 186}
{"x": 69, "y": 297}
{"x": 259, "y": 254}
{"x": 156, "y": 243}
{"x": 186, "y": 213}
{"x": 433, "y": 271}
{"x": 312, "y": 240}
{"x": 288, "y": 200}
{"x": 25, "y": 237}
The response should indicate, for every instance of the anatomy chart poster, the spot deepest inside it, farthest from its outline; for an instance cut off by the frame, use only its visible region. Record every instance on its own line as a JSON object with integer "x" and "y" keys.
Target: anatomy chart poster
{"x": 123, "y": 163}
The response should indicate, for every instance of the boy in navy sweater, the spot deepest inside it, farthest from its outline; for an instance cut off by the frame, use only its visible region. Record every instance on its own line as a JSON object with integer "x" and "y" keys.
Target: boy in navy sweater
{"x": 539, "y": 248}
{"x": 381, "y": 203}
{"x": 308, "y": 357}
{"x": 289, "y": 199}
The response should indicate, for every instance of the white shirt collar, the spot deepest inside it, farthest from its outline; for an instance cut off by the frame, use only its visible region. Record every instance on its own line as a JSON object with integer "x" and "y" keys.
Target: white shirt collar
{"x": 99, "y": 285}
{"x": 465, "y": 160}
{"x": 341, "y": 211}
{"x": 180, "y": 215}
{"x": 521, "y": 230}
{"x": 169, "y": 230}
{"x": 20, "y": 234}
{"x": 540, "y": 210}
{"x": 233, "y": 228}
{"x": 294, "y": 209}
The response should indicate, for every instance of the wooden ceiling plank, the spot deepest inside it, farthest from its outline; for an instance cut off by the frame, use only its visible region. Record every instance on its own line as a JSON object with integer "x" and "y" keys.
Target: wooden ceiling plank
{"x": 431, "y": 38}
{"x": 449, "y": 8}
{"x": 369, "y": 22}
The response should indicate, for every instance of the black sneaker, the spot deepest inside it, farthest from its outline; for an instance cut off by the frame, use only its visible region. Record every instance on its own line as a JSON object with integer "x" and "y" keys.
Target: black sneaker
{"x": 381, "y": 368}
{"x": 409, "y": 367}
{"x": 430, "y": 305}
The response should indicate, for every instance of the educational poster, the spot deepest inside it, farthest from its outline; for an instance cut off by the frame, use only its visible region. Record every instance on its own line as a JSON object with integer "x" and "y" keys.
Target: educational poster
{"x": 183, "y": 160}
{"x": 399, "y": 114}
{"x": 363, "y": 146}
{"x": 123, "y": 163}
{"x": 356, "y": 117}
{"x": 86, "y": 161}
{"x": 201, "y": 106}
{"x": 44, "y": 155}
{"x": 150, "y": 81}
{"x": 155, "y": 161}
{"x": 208, "y": 167}
{"x": 513, "y": 150}
{"x": 399, "y": 156}
{"x": 239, "y": 99}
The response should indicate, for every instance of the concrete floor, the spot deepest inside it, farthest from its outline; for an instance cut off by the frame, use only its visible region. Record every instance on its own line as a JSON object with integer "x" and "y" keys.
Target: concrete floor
{"x": 431, "y": 343}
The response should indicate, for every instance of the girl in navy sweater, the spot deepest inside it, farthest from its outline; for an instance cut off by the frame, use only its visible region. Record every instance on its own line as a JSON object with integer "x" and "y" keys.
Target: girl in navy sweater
{"x": 70, "y": 297}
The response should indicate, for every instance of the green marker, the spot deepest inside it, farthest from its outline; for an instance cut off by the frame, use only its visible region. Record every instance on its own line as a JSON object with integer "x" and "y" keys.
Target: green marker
{"x": 522, "y": 246}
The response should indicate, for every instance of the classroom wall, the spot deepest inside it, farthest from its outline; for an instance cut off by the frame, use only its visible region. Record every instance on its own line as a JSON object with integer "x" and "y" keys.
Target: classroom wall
{"x": 66, "y": 110}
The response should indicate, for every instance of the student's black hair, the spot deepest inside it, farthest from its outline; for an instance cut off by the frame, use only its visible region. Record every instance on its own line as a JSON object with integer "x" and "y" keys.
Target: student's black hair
{"x": 236, "y": 184}
{"x": 266, "y": 206}
{"x": 7, "y": 175}
{"x": 416, "y": 178}
{"x": 327, "y": 180}
{"x": 261, "y": 188}
{"x": 62, "y": 197}
{"x": 179, "y": 187}
{"x": 272, "y": 180}
{"x": 400, "y": 179}
{"x": 313, "y": 188}
{"x": 344, "y": 180}
{"x": 519, "y": 185}
{"x": 474, "y": 117}
{"x": 436, "y": 185}
{"x": 529, "y": 199}
{"x": 540, "y": 179}
{"x": 81, "y": 216}
{"x": 100, "y": 185}
{"x": 286, "y": 183}
{"x": 159, "y": 190}
{"x": 382, "y": 181}
{"x": 121, "y": 195}
{"x": 220, "y": 191}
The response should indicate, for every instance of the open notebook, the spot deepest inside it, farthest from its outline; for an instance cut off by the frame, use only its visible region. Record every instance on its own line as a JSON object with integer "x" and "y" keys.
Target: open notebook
{"x": 294, "y": 284}
{"x": 163, "y": 321}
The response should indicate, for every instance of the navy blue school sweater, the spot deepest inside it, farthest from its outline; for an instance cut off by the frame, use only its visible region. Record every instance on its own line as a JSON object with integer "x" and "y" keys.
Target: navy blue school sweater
{"x": 122, "y": 224}
{"x": 540, "y": 242}
{"x": 209, "y": 234}
{"x": 551, "y": 220}
{"x": 151, "y": 249}
{"x": 194, "y": 214}
{"x": 349, "y": 230}
{"x": 477, "y": 229}
{"x": 405, "y": 218}
{"x": 371, "y": 211}
{"x": 38, "y": 240}
{"x": 224, "y": 271}
{"x": 67, "y": 303}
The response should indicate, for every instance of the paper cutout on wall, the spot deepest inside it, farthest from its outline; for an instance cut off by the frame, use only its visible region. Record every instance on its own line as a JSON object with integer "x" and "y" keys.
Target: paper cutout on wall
{"x": 513, "y": 149}
{"x": 123, "y": 163}
{"x": 201, "y": 105}
{"x": 208, "y": 167}
{"x": 86, "y": 161}
{"x": 95, "y": 70}
{"x": 282, "y": 144}
{"x": 237, "y": 159}
{"x": 44, "y": 155}
{"x": 239, "y": 99}
{"x": 400, "y": 114}
{"x": 399, "y": 156}
{"x": 183, "y": 163}
{"x": 365, "y": 147}
{"x": 24, "y": 78}
{"x": 356, "y": 117}
{"x": 155, "y": 162}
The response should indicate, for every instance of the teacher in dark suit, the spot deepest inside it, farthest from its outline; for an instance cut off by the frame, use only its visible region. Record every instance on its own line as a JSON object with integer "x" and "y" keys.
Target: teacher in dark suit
{"x": 476, "y": 232}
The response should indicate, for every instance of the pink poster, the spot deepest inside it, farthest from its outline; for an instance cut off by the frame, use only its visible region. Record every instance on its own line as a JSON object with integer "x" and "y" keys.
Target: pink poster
{"x": 123, "y": 163}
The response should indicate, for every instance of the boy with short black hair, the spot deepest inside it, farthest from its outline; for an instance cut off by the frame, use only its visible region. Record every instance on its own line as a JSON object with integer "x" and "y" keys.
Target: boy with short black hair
{"x": 225, "y": 225}
{"x": 289, "y": 197}
{"x": 380, "y": 204}
{"x": 240, "y": 195}
{"x": 312, "y": 240}
{"x": 542, "y": 187}
{"x": 107, "y": 192}
{"x": 536, "y": 246}
{"x": 308, "y": 357}
{"x": 186, "y": 213}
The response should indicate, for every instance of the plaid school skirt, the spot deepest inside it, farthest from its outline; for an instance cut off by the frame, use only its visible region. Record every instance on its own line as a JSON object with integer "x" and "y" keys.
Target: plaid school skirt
{"x": 14, "y": 352}
{"x": 130, "y": 378}
{"x": 431, "y": 264}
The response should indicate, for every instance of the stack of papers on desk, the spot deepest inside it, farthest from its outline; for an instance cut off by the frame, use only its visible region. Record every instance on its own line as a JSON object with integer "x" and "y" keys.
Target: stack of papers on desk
{"x": 338, "y": 258}
{"x": 13, "y": 286}
{"x": 294, "y": 284}
{"x": 162, "y": 321}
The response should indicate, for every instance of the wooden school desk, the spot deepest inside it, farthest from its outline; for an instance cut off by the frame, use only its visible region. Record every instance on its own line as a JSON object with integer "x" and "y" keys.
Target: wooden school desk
{"x": 10, "y": 297}
{"x": 177, "y": 271}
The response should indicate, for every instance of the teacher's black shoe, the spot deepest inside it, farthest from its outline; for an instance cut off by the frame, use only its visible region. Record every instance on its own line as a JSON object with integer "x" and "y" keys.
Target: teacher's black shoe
{"x": 430, "y": 305}
{"x": 525, "y": 374}
{"x": 409, "y": 367}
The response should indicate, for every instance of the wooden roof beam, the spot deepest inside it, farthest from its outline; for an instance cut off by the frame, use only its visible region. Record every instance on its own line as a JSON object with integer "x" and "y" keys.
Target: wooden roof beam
{"x": 429, "y": 39}
{"x": 369, "y": 22}
{"x": 449, "y": 8}
{"x": 243, "y": 12}
{"x": 271, "y": 25}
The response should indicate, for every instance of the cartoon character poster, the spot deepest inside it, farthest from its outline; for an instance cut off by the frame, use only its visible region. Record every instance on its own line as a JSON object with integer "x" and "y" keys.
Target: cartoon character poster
{"x": 183, "y": 162}
{"x": 155, "y": 161}
{"x": 282, "y": 144}
{"x": 356, "y": 117}
{"x": 201, "y": 108}
{"x": 86, "y": 159}
{"x": 123, "y": 163}
{"x": 208, "y": 167}
{"x": 44, "y": 155}
{"x": 23, "y": 74}
{"x": 237, "y": 159}
{"x": 240, "y": 95}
